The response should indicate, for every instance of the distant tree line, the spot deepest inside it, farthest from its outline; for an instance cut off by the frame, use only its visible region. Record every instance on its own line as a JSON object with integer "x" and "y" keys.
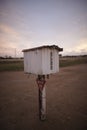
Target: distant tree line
{"x": 67, "y": 56}
{"x": 10, "y": 57}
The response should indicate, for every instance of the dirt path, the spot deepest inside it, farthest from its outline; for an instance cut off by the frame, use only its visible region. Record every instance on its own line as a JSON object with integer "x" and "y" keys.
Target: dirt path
{"x": 66, "y": 101}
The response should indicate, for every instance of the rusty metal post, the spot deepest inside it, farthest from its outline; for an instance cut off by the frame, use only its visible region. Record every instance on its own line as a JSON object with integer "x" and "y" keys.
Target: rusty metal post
{"x": 42, "y": 96}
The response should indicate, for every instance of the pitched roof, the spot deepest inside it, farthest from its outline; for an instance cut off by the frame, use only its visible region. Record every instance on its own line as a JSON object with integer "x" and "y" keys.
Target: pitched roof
{"x": 45, "y": 46}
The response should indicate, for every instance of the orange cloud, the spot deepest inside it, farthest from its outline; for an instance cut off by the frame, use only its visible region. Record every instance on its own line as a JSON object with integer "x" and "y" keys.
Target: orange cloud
{"x": 11, "y": 39}
{"x": 8, "y": 30}
{"x": 9, "y": 36}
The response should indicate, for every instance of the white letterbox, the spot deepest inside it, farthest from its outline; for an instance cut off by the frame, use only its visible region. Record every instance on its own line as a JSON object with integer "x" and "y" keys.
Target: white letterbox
{"x": 42, "y": 60}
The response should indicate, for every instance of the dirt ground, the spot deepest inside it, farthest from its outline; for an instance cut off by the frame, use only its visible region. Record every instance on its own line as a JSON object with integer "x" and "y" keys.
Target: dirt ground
{"x": 66, "y": 100}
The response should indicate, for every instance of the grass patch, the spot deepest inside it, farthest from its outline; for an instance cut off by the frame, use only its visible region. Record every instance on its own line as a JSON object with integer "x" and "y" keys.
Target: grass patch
{"x": 71, "y": 62}
{"x": 11, "y": 66}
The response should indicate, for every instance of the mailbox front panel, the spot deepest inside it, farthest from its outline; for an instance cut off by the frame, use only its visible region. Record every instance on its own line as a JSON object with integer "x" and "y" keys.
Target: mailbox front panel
{"x": 32, "y": 62}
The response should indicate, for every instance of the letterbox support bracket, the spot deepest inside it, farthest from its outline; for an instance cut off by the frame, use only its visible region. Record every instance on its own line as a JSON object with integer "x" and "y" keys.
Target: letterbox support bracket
{"x": 42, "y": 96}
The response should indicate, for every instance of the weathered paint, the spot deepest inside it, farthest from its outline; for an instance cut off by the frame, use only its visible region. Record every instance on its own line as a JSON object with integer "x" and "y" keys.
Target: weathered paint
{"x": 38, "y": 61}
{"x": 42, "y": 103}
{"x": 42, "y": 97}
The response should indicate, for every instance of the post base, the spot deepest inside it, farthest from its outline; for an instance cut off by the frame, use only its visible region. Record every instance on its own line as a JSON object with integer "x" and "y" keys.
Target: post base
{"x": 43, "y": 117}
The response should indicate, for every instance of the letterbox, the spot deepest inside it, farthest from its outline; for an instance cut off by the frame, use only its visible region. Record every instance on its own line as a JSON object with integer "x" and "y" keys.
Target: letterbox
{"x": 43, "y": 60}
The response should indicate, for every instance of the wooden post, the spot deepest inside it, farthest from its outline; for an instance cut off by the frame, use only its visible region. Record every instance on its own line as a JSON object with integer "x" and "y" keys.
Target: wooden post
{"x": 42, "y": 97}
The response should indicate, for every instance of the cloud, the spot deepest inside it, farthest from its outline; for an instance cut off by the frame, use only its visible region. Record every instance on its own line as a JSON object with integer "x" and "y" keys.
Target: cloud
{"x": 82, "y": 45}
{"x": 78, "y": 49}
{"x": 8, "y": 30}
{"x": 10, "y": 37}
{"x": 9, "y": 40}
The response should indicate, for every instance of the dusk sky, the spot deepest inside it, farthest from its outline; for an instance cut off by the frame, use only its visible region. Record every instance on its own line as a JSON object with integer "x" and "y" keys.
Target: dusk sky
{"x": 30, "y": 23}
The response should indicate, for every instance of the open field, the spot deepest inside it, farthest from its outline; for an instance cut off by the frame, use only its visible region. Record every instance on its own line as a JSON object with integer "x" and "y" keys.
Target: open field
{"x": 66, "y": 100}
{"x": 70, "y": 61}
{"x": 11, "y": 65}
{"x": 17, "y": 64}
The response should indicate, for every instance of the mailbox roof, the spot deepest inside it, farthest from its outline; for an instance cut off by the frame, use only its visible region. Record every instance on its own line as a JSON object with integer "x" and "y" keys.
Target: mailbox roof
{"x": 45, "y": 46}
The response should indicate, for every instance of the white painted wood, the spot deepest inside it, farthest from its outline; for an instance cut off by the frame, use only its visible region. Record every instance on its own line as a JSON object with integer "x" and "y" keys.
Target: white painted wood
{"x": 39, "y": 62}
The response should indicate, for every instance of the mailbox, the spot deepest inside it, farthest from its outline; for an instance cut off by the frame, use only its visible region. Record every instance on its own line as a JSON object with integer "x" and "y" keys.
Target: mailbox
{"x": 43, "y": 60}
